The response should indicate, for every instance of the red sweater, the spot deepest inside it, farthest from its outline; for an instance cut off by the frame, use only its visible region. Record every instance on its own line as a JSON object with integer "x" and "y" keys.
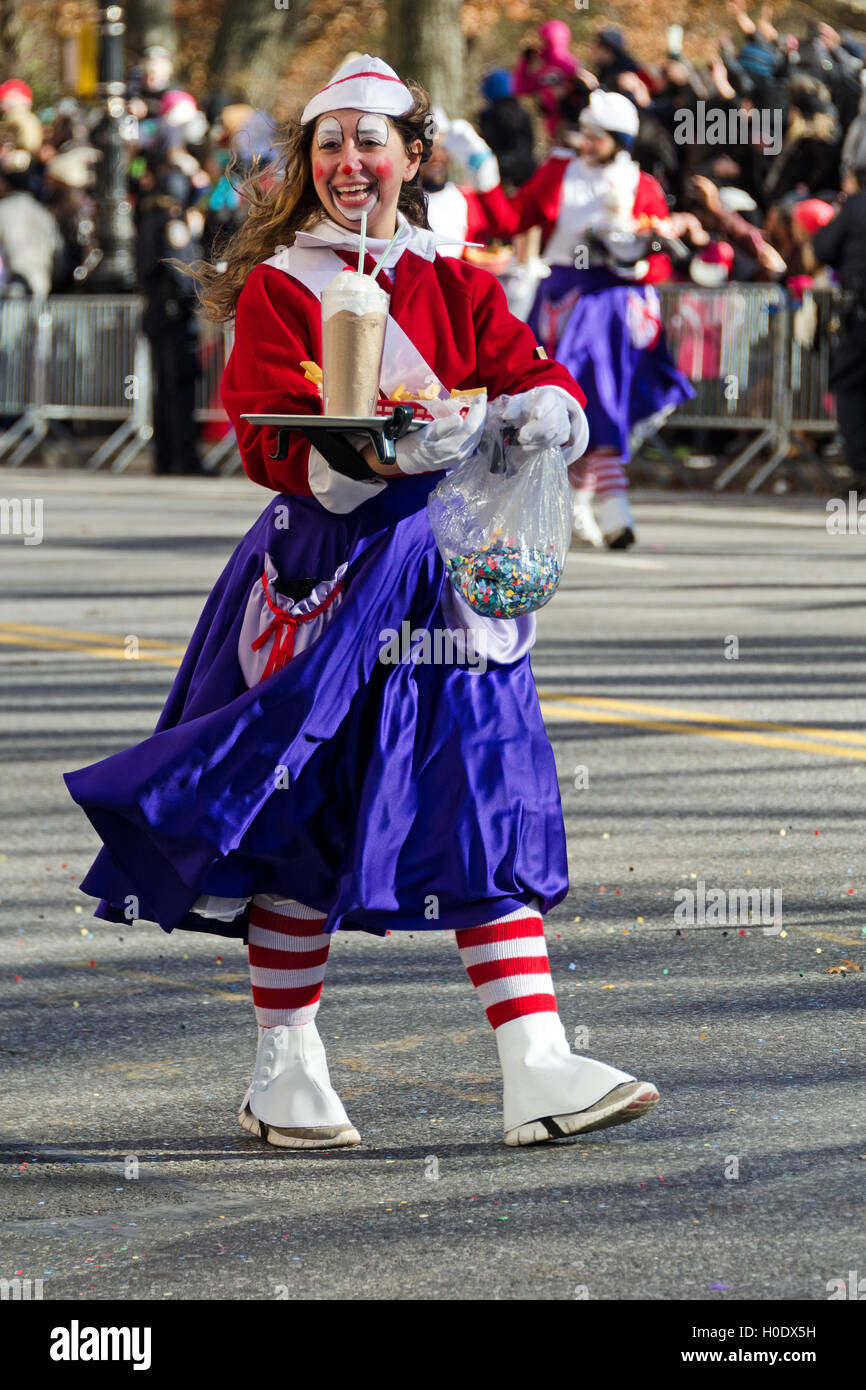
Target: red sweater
{"x": 455, "y": 313}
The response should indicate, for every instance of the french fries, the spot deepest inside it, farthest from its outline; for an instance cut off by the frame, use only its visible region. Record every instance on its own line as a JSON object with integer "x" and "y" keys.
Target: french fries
{"x": 429, "y": 393}
{"x": 313, "y": 372}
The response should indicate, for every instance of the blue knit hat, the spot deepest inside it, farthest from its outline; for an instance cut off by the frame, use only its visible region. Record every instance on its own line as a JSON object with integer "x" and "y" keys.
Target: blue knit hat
{"x": 497, "y": 84}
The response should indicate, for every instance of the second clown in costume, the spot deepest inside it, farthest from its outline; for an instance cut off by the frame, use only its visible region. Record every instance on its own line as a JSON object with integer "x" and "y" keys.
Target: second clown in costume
{"x": 600, "y": 318}
{"x": 297, "y": 784}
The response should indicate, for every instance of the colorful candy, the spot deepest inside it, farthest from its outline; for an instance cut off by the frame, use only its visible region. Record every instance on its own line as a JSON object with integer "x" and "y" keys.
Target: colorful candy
{"x": 503, "y": 581}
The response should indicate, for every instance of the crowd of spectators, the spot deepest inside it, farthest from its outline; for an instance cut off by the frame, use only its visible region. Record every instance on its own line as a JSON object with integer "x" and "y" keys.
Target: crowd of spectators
{"x": 756, "y": 185}
{"x": 794, "y": 110}
{"x": 757, "y": 149}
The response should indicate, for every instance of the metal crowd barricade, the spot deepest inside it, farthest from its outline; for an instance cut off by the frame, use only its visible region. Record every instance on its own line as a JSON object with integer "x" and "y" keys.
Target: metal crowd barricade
{"x": 85, "y": 361}
{"x": 86, "y": 358}
{"x": 732, "y": 344}
{"x": 810, "y": 404}
{"x": 215, "y": 344}
{"x": 18, "y": 319}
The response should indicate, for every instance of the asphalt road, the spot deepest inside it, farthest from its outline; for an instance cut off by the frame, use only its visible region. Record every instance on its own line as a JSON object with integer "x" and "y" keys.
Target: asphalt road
{"x": 704, "y": 696}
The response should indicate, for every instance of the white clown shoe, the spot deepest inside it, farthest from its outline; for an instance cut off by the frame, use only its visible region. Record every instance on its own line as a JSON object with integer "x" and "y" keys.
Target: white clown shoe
{"x": 616, "y": 520}
{"x": 291, "y": 1102}
{"x": 585, "y": 528}
{"x": 549, "y": 1092}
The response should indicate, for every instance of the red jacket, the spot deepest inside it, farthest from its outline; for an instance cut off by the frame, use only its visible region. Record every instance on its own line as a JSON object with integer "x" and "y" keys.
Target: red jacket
{"x": 482, "y": 220}
{"x": 479, "y": 220}
{"x": 455, "y": 313}
{"x": 537, "y": 204}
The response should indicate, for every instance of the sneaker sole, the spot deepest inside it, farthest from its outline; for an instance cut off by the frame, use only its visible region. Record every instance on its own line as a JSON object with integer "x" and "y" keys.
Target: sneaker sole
{"x": 620, "y": 540}
{"x": 627, "y": 1102}
{"x": 325, "y": 1137}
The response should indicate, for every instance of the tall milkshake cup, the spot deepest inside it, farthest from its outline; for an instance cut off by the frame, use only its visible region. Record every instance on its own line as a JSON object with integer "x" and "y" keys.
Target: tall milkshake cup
{"x": 354, "y": 317}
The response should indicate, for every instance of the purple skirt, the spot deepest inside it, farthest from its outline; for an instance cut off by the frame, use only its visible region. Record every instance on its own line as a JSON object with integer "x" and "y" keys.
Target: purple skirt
{"x": 610, "y": 337}
{"x": 390, "y": 796}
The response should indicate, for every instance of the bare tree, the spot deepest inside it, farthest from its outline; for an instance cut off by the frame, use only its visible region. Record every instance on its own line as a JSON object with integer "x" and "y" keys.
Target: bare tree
{"x": 251, "y": 46}
{"x": 425, "y": 41}
{"x": 149, "y": 22}
{"x": 10, "y": 33}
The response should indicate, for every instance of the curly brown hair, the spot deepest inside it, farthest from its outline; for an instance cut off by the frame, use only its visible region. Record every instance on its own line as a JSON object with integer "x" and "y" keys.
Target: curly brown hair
{"x": 281, "y": 206}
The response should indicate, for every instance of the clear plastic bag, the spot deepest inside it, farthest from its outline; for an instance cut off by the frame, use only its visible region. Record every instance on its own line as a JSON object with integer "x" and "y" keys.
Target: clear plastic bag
{"x": 502, "y": 522}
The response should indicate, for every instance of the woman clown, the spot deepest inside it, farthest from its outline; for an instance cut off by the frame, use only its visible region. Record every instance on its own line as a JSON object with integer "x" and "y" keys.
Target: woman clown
{"x": 297, "y": 784}
{"x": 597, "y": 312}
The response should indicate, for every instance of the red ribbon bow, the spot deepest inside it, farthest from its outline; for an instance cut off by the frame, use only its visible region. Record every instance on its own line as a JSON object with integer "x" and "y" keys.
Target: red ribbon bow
{"x": 282, "y": 628}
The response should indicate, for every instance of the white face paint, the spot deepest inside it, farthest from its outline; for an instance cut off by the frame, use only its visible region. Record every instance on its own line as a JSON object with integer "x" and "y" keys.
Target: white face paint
{"x": 359, "y": 165}
{"x": 373, "y": 128}
{"x": 329, "y": 133}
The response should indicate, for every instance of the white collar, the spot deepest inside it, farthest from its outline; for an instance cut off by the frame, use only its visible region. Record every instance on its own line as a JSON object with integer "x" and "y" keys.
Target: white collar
{"x": 419, "y": 240}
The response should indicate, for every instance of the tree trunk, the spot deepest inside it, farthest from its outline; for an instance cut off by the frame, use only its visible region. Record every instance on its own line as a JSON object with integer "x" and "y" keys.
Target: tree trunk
{"x": 10, "y": 34}
{"x": 251, "y": 47}
{"x": 425, "y": 42}
{"x": 149, "y": 22}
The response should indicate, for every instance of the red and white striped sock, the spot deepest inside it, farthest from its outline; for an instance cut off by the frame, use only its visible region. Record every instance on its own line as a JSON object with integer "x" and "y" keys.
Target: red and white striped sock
{"x": 288, "y": 954}
{"x": 598, "y": 473}
{"x": 610, "y": 475}
{"x": 507, "y": 963}
{"x": 581, "y": 475}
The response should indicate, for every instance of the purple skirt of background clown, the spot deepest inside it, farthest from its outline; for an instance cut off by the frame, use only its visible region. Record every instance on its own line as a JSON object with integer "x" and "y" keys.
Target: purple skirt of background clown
{"x": 389, "y": 796}
{"x": 610, "y": 337}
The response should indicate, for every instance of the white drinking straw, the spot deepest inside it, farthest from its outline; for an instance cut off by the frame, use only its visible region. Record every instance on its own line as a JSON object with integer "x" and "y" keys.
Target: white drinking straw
{"x": 387, "y": 251}
{"x": 363, "y": 242}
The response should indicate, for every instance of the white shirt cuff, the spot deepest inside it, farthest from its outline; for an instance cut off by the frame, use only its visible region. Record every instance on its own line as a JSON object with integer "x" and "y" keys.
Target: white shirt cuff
{"x": 578, "y": 440}
{"x": 336, "y": 492}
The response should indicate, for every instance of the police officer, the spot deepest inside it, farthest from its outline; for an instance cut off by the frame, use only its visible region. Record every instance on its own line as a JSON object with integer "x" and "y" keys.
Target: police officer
{"x": 841, "y": 244}
{"x": 168, "y": 231}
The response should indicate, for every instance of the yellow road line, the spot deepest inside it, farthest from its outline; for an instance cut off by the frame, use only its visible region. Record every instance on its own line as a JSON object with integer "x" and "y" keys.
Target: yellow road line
{"x": 232, "y": 996}
{"x": 555, "y": 706}
{"x": 850, "y": 943}
{"x": 726, "y": 735}
{"x": 118, "y": 653}
{"x": 702, "y": 716}
{"x": 67, "y": 634}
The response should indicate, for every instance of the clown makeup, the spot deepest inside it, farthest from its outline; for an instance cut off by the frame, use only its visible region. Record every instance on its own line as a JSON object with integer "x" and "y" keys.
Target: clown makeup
{"x": 329, "y": 133}
{"x": 596, "y": 146}
{"x": 359, "y": 165}
{"x": 372, "y": 128}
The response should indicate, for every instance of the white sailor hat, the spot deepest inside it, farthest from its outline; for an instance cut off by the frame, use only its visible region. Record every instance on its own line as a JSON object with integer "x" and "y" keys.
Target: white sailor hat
{"x": 364, "y": 84}
{"x": 612, "y": 112}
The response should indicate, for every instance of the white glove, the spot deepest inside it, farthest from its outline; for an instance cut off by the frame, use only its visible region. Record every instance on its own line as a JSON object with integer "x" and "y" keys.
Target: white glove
{"x": 463, "y": 143}
{"x": 443, "y": 444}
{"x": 546, "y": 416}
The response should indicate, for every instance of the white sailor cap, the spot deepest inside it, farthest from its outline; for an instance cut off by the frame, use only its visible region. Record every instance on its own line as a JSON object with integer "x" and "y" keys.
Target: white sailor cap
{"x": 364, "y": 84}
{"x": 612, "y": 112}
